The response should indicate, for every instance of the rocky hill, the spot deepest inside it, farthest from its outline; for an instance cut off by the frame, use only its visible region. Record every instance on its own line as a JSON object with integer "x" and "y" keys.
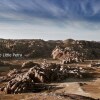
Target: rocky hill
{"x": 35, "y": 48}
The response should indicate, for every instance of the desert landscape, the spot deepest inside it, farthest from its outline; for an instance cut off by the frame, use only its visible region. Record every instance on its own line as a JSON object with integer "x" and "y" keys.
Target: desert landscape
{"x": 59, "y": 70}
{"x": 49, "y": 49}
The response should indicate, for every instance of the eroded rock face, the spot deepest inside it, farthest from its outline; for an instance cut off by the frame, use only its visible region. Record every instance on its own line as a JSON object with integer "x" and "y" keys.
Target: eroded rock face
{"x": 68, "y": 55}
{"x": 20, "y": 84}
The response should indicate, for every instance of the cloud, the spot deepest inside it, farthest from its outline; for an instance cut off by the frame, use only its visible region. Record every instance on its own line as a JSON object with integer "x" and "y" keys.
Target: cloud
{"x": 51, "y": 9}
{"x": 47, "y": 18}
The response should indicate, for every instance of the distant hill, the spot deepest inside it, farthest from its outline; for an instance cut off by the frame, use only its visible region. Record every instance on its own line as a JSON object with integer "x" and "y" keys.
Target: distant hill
{"x": 35, "y": 48}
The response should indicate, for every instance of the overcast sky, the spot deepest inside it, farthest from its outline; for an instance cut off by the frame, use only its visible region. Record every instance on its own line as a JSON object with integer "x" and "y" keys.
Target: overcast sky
{"x": 50, "y": 19}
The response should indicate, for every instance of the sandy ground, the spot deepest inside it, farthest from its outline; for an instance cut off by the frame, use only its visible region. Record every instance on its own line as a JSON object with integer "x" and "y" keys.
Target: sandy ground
{"x": 31, "y": 96}
{"x": 88, "y": 88}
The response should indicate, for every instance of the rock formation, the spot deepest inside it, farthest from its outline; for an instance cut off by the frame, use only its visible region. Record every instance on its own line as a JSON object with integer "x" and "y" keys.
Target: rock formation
{"x": 68, "y": 55}
{"x": 29, "y": 80}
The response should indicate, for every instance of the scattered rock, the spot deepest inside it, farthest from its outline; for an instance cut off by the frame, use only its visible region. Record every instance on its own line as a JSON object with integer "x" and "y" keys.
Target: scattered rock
{"x": 23, "y": 81}
{"x": 29, "y": 64}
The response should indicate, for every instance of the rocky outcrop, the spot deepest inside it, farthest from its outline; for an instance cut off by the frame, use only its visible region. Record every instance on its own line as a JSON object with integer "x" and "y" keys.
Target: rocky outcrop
{"x": 29, "y": 48}
{"x": 39, "y": 48}
{"x": 68, "y": 55}
{"x": 29, "y": 80}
